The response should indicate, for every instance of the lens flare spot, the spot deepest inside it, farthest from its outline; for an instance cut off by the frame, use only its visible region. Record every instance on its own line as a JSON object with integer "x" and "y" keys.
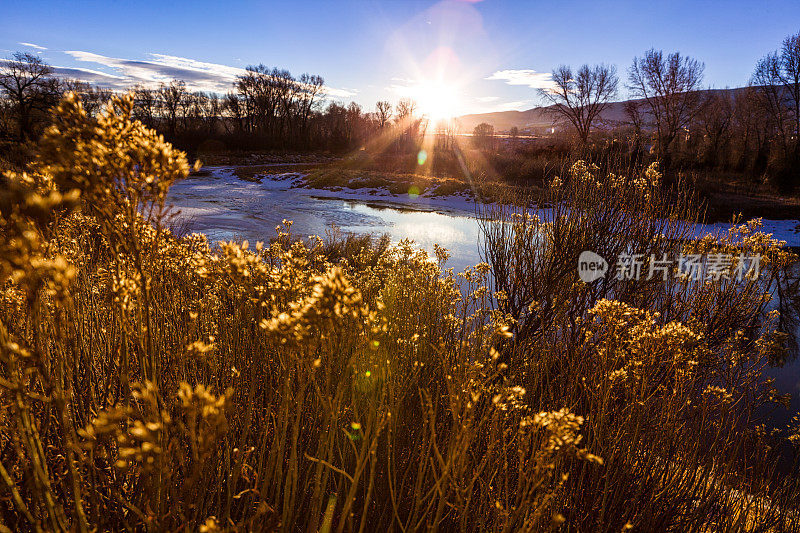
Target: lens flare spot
{"x": 413, "y": 191}
{"x": 422, "y": 156}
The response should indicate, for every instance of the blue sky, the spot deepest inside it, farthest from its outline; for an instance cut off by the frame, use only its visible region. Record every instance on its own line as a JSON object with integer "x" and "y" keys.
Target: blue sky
{"x": 475, "y": 55}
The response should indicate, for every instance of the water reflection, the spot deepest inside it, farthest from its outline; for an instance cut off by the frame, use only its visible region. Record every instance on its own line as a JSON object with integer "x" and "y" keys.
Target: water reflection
{"x": 224, "y": 208}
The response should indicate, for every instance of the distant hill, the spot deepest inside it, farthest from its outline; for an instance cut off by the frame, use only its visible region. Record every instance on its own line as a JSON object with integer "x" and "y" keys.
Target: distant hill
{"x": 543, "y": 117}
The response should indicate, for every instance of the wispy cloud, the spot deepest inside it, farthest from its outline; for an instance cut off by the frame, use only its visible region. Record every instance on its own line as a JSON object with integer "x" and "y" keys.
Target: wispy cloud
{"x": 531, "y": 78}
{"x": 31, "y": 45}
{"x": 162, "y": 68}
{"x": 95, "y": 77}
{"x": 339, "y": 93}
{"x": 486, "y": 99}
{"x": 517, "y": 105}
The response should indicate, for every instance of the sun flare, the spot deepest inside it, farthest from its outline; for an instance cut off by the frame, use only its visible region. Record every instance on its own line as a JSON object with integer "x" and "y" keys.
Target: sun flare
{"x": 437, "y": 100}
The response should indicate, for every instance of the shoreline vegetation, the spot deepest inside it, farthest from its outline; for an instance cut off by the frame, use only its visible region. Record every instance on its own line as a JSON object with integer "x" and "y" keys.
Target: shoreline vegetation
{"x": 164, "y": 384}
{"x": 334, "y": 174}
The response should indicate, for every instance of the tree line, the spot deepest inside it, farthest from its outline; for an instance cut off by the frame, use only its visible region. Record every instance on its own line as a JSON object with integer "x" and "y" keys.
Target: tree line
{"x": 266, "y": 108}
{"x": 671, "y": 118}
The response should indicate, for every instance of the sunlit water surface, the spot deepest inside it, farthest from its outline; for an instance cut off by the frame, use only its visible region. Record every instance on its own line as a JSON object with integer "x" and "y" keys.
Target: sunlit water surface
{"x": 226, "y": 208}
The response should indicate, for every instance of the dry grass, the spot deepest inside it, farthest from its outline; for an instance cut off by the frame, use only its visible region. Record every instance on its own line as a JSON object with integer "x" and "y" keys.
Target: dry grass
{"x": 336, "y": 178}
{"x": 257, "y": 172}
{"x": 396, "y": 183}
{"x": 159, "y": 384}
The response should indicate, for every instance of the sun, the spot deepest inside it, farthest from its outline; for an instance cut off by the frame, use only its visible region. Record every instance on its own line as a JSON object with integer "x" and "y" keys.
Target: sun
{"x": 437, "y": 100}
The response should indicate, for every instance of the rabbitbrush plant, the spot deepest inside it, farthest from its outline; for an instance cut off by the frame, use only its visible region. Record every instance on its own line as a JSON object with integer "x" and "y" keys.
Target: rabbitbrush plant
{"x": 156, "y": 383}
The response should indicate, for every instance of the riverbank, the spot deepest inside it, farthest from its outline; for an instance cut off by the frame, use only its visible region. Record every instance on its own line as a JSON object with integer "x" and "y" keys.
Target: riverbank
{"x": 450, "y": 195}
{"x": 722, "y": 203}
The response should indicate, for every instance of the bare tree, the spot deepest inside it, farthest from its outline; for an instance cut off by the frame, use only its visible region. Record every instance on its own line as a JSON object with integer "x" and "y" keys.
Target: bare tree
{"x": 287, "y": 89}
{"x": 383, "y": 113}
{"x": 751, "y": 131}
{"x": 145, "y": 105}
{"x": 633, "y": 111}
{"x": 776, "y": 80}
{"x": 260, "y": 104}
{"x": 410, "y": 127}
{"x": 257, "y": 99}
{"x": 275, "y": 104}
{"x": 171, "y": 99}
{"x": 715, "y": 119}
{"x": 446, "y": 138}
{"x": 354, "y": 123}
{"x": 309, "y": 98}
{"x": 771, "y": 97}
{"x": 669, "y": 87}
{"x": 93, "y": 98}
{"x": 232, "y": 104}
{"x": 405, "y": 108}
{"x": 334, "y": 125}
{"x": 27, "y": 82}
{"x": 483, "y": 136}
{"x": 790, "y": 77}
{"x": 187, "y": 106}
{"x": 211, "y": 110}
{"x": 582, "y": 96}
